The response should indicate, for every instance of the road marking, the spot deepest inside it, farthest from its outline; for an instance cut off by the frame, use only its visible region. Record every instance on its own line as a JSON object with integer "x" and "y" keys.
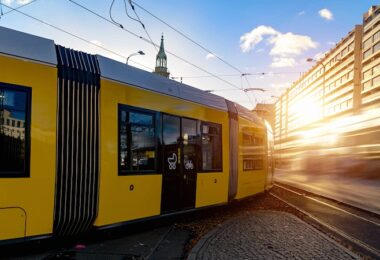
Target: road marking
{"x": 338, "y": 231}
{"x": 329, "y": 205}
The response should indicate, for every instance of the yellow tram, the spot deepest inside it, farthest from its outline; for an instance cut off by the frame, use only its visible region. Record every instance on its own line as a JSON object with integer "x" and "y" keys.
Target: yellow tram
{"x": 87, "y": 142}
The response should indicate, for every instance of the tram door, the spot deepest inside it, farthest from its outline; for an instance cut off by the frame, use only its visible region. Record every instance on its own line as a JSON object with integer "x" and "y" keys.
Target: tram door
{"x": 179, "y": 161}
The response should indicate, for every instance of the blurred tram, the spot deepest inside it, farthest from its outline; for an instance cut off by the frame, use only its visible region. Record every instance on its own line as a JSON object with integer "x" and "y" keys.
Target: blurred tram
{"x": 87, "y": 142}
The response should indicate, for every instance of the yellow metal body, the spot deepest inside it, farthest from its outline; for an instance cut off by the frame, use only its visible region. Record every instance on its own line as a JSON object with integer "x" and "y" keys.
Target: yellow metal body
{"x": 250, "y": 182}
{"x": 117, "y": 203}
{"x": 27, "y": 204}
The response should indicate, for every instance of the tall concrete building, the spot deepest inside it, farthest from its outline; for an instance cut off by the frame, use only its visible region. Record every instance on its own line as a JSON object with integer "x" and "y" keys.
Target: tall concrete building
{"x": 371, "y": 62}
{"x": 325, "y": 117}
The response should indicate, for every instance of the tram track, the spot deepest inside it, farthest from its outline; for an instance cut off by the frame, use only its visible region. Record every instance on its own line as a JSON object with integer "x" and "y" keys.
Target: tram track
{"x": 355, "y": 228}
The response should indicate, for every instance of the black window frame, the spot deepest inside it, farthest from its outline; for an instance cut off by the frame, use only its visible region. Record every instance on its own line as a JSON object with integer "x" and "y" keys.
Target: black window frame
{"x": 254, "y": 162}
{"x": 28, "y": 112}
{"x": 201, "y": 170}
{"x": 154, "y": 114}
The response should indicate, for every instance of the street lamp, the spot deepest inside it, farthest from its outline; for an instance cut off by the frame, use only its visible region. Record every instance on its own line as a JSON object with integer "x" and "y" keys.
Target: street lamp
{"x": 323, "y": 82}
{"x": 134, "y": 54}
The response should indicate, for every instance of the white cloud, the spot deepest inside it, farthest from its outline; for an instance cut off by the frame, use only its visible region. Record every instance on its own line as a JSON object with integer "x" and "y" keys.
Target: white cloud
{"x": 7, "y": 2}
{"x": 302, "y": 13}
{"x": 289, "y": 44}
{"x": 23, "y": 2}
{"x": 210, "y": 56}
{"x": 282, "y": 62}
{"x": 19, "y": 2}
{"x": 331, "y": 43}
{"x": 285, "y": 47}
{"x": 249, "y": 40}
{"x": 259, "y": 50}
{"x": 326, "y": 14}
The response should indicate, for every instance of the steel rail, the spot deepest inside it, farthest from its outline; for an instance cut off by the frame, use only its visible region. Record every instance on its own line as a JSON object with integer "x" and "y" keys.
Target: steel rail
{"x": 341, "y": 233}
{"x": 329, "y": 205}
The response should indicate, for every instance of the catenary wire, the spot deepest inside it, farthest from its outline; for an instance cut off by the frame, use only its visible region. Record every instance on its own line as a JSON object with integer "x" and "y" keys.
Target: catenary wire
{"x": 73, "y": 35}
{"x": 126, "y": 11}
{"x": 146, "y": 40}
{"x": 187, "y": 37}
{"x": 108, "y": 50}
{"x": 110, "y": 14}
{"x": 238, "y": 75}
{"x": 139, "y": 20}
{"x": 19, "y": 7}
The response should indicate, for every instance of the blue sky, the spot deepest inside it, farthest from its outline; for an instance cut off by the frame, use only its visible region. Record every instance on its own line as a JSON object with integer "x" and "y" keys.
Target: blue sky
{"x": 274, "y": 37}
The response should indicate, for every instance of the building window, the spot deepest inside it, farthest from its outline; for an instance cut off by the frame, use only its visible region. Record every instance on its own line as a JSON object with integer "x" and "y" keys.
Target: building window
{"x": 137, "y": 140}
{"x": 350, "y": 74}
{"x": 367, "y": 85}
{"x": 367, "y": 54}
{"x": 351, "y": 47}
{"x": 376, "y": 36}
{"x": 376, "y": 81}
{"x": 367, "y": 43}
{"x": 376, "y": 47}
{"x": 211, "y": 147}
{"x": 376, "y": 69}
{"x": 344, "y": 51}
{"x": 14, "y": 138}
{"x": 367, "y": 74}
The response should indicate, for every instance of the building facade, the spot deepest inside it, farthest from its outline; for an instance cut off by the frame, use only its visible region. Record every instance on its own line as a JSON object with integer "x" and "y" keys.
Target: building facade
{"x": 326, "y": 118}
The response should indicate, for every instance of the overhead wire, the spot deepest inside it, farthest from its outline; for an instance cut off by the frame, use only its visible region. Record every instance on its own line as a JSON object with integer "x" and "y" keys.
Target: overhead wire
{"x": 111, "y": 51}
{"x": 72, "y": 34}
{"x": 238, "y": 75}
{"x": 126, "y": 11}
{"x": 19, "y": 7}
{"x": 151, "y": 42}
{"x": 245, "y": 92}
{"x": 193, "y": 41}
{"x": 110, "y": 14}
{"x": 187, "y": 37}
{"x": 139, "y": 20}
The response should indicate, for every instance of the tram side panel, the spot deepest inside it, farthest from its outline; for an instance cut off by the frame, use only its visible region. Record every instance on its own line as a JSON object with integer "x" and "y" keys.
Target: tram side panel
{"x": 252, "y": 170}
{"x": 28, "y": 147}
{"x": 123, "y": 195}
{"x": 132, "y": 185}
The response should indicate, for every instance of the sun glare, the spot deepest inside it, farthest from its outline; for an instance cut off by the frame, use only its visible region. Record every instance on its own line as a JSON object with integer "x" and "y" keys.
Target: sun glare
{"x": 306, "y": 110}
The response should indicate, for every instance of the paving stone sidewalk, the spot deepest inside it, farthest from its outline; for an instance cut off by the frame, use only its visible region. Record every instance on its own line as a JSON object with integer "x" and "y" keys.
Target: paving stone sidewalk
{"x": 268, "y": 235}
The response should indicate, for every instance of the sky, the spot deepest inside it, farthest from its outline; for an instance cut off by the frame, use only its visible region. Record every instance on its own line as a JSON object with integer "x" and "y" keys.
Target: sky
{"x": 268, "y": 40}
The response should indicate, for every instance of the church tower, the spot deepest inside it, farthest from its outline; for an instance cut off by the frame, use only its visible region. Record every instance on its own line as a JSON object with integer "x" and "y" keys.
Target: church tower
{"x": 161, "y": 61}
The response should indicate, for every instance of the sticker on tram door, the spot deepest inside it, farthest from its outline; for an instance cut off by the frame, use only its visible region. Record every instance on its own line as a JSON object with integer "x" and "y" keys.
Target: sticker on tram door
{"x": 172, "y": 162}
{"x": 189, "y": 165}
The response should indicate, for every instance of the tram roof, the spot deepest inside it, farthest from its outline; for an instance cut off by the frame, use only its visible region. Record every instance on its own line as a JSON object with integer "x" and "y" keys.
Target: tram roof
{"x": 28, "y": 46}
{"x": 35, "y": 48}
{"x": 121, "y": 72}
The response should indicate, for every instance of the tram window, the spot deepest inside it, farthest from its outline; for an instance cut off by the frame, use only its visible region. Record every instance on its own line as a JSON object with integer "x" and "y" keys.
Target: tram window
{"x": 211, "y": 147}
{"x": 14, "y": 138}
{"x": 253, "y": 164}
{"x": 137, "y": 141}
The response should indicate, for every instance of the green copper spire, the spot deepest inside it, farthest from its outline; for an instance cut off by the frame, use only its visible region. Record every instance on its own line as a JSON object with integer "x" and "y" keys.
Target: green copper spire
{"x": 161, "y": 61}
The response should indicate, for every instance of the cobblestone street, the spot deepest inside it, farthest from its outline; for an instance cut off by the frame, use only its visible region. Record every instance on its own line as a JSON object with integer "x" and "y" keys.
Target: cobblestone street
{"x": 267, "y": 235}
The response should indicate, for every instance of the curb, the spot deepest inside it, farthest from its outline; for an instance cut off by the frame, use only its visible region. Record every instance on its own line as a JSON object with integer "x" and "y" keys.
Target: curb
{"x": 205, "y": 239}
